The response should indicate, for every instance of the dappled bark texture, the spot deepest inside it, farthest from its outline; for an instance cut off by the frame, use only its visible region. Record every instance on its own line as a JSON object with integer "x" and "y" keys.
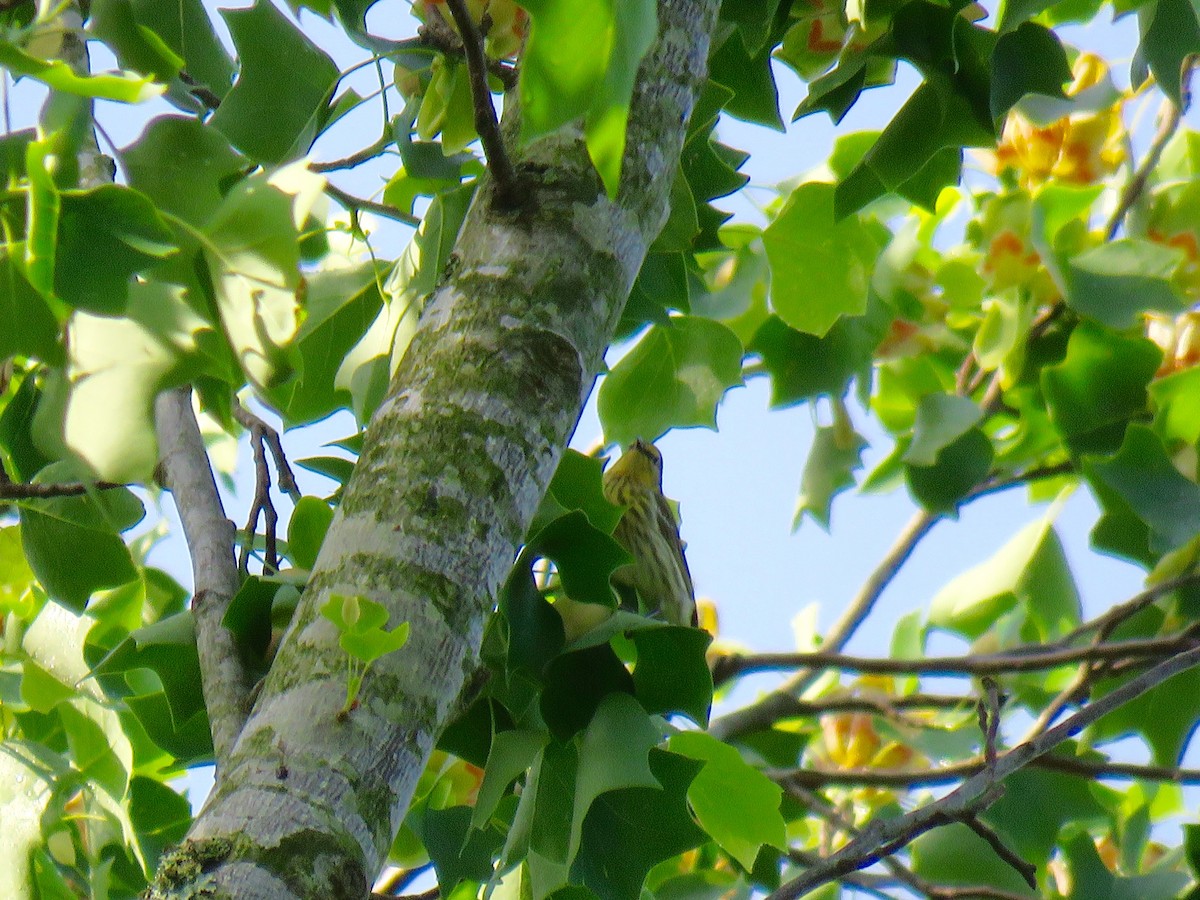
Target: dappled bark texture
{"x": 454, "y": 465}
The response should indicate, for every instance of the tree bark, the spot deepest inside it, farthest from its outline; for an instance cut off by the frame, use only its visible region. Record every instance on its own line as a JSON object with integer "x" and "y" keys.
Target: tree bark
{"x": 453, "y": 467}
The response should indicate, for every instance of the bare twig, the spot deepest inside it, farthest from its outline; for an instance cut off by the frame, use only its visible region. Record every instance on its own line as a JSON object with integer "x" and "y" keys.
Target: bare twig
{"x": 1169, "y": 118}
{"x": 1027, "y": 870}
{"x": 359, "y": 205}
{"x": 882, "y": 837}
{"x": 508, "y": 192}
{"x": 284, "y": 477}
{"x": 989, "y": 719}
{"x": 185, "y": 472}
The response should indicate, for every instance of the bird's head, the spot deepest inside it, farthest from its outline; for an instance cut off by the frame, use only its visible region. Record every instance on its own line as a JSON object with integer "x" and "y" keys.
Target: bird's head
{"x": 640, "y": 464}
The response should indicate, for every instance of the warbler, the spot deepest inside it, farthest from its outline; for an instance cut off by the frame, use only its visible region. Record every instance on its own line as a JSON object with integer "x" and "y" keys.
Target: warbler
{"x": 659, "y": 573}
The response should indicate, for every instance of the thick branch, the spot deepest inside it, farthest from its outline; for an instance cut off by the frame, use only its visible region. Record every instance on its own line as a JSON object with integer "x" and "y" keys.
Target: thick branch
{"x": 882, "y": 837}
{"x": 453, "y": 468}
{"x": 186, "y": 473}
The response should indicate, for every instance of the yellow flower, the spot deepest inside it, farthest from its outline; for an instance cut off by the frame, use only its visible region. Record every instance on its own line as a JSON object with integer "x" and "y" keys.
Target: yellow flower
{"x": 1081, "y": 148}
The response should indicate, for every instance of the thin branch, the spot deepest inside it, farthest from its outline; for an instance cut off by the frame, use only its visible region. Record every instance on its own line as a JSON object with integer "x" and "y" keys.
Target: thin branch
{"x": 1038, "y": 473}
{"x": 1030, "y": 658}
{"x": 284, "y": 477}
{"x": 508, "y": 192}
{"x": 261, "y": 505}
{"x": 770, "y": 707}
{"x": 354, "y": 159}
{"x": 1169, "y": 118}
{"x": 13, "y": 490}
{"x": 882, "y": 837}
{"x": 815, "y": 779}
{"x": 823, "y": 808}
{"x": 1027, "y": 870}
{"x": 185, "y": 471}
{"x": 359, "y": 205}
{"x": 1116, "y": 615}
{"x": 200, "y": 91}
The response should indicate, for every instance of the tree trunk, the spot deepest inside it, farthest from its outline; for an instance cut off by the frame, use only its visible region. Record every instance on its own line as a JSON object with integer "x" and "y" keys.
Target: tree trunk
{"x": 454, "y": 465}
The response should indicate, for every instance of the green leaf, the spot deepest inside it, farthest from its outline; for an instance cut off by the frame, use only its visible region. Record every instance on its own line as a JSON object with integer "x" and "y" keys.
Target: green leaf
{"x": 941, "y": 420}
{"x": 306, "y": 530}
{"x": 672, "y": 674}
{"x": 185, "y": 28}
{"x": 458, "y": 851}
{"x": 1099, "y": 386}
{"x": 167, "y": 648}
{"x": 1118, "y": 281}
{"x": 512, "y": 752}
{"x": 832, "y": 461}
{"x": 368, "y": 646}
{"x": 1143, "y": 478}
{"x": 58, "y": 76}
{"x": 628, "y": 832}
{"x": 1029, "y": 60}
{"x": 43, "y": 206}
{"x": 750, "y": 77}
{"x": 613, "y": 754}
{"x": 1177, "y": 415}
{"x": 1090, "y": 877}
{"x": 367, "y": 368}
{"x": 249, "y": 616}
{"x": 28, "y": 326}
{"x": 578, "y": 483}
{"x": 1170, "y": 33}
{"x": 182, "y": 165}
{"x": 936, "y": 118}
{"x": 580, "y": 61}
{"x": 673, "y": 378}
{"x": 820, "y": 267}
{"x": 119, "y": 365}
{"x": 734, "y": 802}
{"x": 73, "y": 544}
{"x": 16, "y": 577}
{"x": 161, "y": 816}
{"x": 536, "y": 630}
{"x": 961, "y": 465}
{"x": 1032, "y": 827}
{"x": 29, "y": 774}
{"x": 803, "y": 366}
{"x": 106, "y": 235}
{"x": 265, "y": 123}
{"x": 576, "y": 684}
{"x": 135, "y": 46}
{"x": 1031, "y": 570}
{"x": 584, "y": 555}
{"x": 254, "y": 261}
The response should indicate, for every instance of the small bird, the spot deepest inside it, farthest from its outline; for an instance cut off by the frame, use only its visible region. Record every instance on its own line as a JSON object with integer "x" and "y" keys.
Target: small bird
{"x": 659, "y": 573}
